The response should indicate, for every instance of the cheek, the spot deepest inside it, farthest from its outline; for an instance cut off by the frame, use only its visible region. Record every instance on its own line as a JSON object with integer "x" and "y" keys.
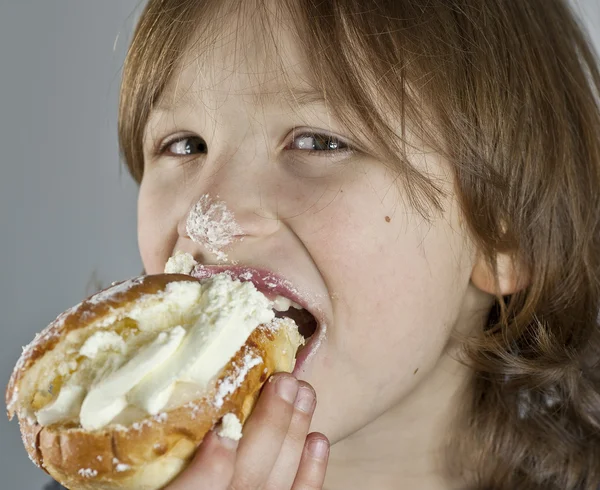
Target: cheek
{"x": 396, "y": 282}
{"x": 157, "y": 227}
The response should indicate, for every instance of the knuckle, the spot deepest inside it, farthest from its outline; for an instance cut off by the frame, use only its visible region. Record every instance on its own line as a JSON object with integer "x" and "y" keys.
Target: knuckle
{"x": 298, "y": 429}
{"x": 301, "y": 416}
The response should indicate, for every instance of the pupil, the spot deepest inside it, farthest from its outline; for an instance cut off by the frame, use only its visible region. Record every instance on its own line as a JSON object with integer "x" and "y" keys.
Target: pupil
{"x": 195, "y": 145}
{"x": 325, "y": 143}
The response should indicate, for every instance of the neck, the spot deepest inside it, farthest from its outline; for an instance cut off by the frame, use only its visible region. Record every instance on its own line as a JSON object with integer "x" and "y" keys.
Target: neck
{"x": 404, "y": 447}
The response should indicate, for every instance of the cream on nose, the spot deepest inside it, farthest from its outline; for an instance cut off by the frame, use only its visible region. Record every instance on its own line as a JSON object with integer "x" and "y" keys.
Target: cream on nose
{"x": 211, "y": 224}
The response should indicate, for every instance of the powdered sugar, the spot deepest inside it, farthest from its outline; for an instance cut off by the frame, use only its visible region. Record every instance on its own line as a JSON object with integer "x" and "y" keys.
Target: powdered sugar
{"x": 33, "y": 460}
{"x": 161, "y": 418}
{"x": 15, "y": 394}
{"x": 212, "y": 225}
{"x": 246, "y": 276}
{"x": 229, "y": 385}
{"x": 120, "y": 467}
{"x": 140, "y": 425}
{"x": 279, "y": 323}
{"x": 195, "y": 408}
{"x": 88, "y": 472}
{"x": 117, "y": 289}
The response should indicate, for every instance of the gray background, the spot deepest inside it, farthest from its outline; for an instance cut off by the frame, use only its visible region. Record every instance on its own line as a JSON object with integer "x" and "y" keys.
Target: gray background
{"x": 67, "y": 208}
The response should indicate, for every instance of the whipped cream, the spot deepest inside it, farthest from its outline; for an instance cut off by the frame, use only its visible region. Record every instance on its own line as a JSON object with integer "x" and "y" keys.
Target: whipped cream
{"x": 102, "y": 341}
{"x": 65, "y": 406}
{"x": 180, "y": 263}
{"x": 109, "y": 398}
{"x": 224, "y": 314}
{"x": 231, "y": 427}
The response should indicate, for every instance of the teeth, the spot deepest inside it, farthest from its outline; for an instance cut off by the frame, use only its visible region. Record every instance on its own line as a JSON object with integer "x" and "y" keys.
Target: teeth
{"x": 280, "y": 303}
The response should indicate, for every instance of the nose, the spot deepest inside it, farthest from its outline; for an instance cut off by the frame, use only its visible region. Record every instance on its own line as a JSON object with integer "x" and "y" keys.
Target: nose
{"x": 231, "y": 201}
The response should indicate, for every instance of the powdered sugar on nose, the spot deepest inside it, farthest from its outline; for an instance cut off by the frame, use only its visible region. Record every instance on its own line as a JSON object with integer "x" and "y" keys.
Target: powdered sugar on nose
{"x": 212, "y": 225}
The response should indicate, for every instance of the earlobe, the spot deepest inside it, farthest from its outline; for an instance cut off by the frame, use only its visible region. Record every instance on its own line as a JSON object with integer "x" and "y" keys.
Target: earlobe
{"x": 512, "y": 275}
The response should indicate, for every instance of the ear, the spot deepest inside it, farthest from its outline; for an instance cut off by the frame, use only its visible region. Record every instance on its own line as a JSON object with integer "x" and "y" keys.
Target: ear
{"x": 512, "y": 275}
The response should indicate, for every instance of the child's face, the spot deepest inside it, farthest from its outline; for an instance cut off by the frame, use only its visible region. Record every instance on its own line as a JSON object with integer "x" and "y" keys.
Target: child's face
{"x": 390, "y": 286}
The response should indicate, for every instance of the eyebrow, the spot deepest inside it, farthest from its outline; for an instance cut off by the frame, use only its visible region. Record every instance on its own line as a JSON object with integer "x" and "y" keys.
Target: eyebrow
{"x": 299, "y": 97}
{"x": 296, "y": 97}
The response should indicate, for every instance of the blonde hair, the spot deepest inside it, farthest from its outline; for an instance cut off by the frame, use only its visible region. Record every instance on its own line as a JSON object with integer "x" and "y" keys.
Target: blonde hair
{"x": 507, "y": 91}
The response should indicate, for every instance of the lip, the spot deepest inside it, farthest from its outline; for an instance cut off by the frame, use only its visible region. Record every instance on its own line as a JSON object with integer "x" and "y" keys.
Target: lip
{"x": 306, "y": 353}
{"x": 272, "y": 285}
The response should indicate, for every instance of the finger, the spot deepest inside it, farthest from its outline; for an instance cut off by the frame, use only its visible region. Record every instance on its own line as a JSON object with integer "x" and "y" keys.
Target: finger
{"x": 313, "y": 465}
{"x": 283, "y": 473}
{"x": 211, "y": 468}
{"x": 265, "y": 431}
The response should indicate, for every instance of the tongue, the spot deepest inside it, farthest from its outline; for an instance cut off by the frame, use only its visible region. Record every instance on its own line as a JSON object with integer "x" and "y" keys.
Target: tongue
{"x": 305, "y": 321}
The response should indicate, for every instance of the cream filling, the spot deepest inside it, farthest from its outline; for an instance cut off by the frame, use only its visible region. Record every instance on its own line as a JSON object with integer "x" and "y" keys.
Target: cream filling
{"x": 180, "y": 263}
{"x": 231, "y": 427}
{"x": 227, "y": 313}
{"x": 102, "y": 341}
{"x": 110, "y": 397}
{"x": 66, "y": 405}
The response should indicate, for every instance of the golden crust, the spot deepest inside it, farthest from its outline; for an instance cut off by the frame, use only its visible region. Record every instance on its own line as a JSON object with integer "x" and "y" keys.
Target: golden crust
{"x": 148, "y": 454}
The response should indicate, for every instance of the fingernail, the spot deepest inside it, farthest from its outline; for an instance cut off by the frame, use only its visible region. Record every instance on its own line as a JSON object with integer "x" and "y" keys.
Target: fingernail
{"x": 318, "y": 448}
{"x": 305, "y": 399}
{"x": 287, "y": 388}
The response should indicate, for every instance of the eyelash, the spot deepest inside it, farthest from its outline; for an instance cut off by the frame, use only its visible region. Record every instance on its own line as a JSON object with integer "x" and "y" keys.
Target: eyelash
{"x": 162, "y": 149}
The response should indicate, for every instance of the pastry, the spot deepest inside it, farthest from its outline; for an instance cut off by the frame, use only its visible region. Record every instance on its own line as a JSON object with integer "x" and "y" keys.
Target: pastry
{"x": 120, "y": 390}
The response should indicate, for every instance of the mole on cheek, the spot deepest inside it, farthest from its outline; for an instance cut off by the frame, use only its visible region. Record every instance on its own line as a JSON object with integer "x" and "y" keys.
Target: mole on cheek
{"x": 388, "y": 219}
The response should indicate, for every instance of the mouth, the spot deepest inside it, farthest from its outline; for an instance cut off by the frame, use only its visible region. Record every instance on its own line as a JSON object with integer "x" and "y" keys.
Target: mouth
{"x": 287, "y": 301}
{"x": 304, "y": 319}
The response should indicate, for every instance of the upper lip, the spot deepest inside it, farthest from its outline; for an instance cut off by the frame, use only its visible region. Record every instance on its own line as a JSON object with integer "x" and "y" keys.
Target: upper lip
{"x": 266, "y": 282}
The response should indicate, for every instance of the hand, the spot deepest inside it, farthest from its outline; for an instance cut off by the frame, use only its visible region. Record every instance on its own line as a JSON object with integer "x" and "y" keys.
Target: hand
{"x": 275, "y": 452}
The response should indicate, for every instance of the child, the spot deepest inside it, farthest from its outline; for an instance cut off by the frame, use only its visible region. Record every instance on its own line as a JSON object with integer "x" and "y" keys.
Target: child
{"x": 426, "y": 174}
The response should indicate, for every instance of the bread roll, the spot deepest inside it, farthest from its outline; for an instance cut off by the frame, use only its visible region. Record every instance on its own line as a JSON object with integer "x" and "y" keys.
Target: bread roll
{"x": 120, "y": 390}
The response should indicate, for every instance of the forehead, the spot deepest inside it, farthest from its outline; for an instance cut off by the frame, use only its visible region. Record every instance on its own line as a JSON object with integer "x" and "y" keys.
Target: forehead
{"x": 255, "y": 54}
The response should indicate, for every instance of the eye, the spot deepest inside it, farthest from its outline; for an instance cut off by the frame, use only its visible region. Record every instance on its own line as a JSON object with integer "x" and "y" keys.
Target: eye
{"x": 187, "y": 145}
{"x": 317, "y": 142}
